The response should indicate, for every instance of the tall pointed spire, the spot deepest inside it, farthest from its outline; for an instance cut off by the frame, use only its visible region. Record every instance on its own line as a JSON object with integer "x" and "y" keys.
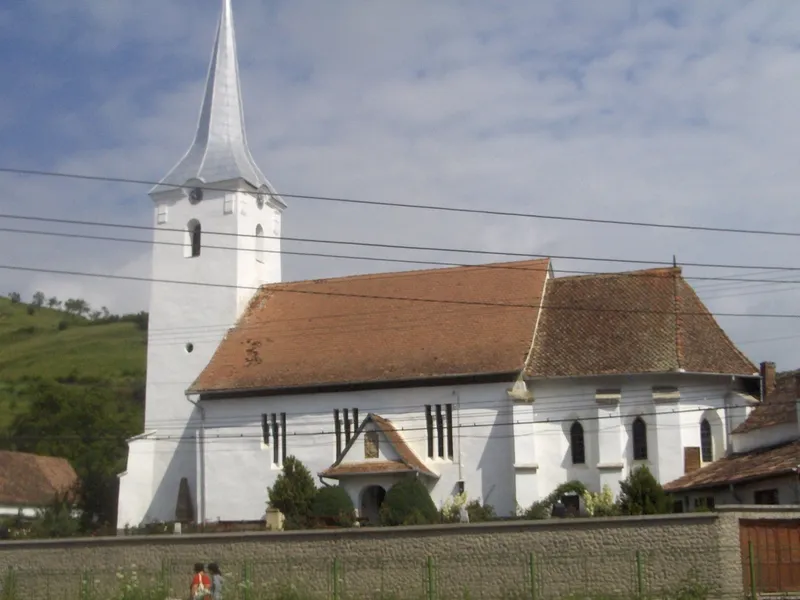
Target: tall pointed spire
{"x": 219, "y": 151}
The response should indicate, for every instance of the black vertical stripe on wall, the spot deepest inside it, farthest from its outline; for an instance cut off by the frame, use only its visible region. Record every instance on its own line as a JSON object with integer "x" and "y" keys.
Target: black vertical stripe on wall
{"x": 449, "y": 416}
{"x": 275, "y": 439}
{"x": 440, "y": 430}
{"x": 283, "y": 437}
{"x": 429, "y": 425}
{"x": 265, "y": 429}
{"x": 337, "y": 428}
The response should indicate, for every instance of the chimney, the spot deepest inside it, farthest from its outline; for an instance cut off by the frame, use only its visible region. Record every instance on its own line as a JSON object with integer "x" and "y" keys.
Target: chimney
{"x": 767, "y": 379}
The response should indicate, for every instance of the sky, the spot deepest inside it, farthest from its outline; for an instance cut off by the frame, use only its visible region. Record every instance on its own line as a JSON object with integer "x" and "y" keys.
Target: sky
{"x": 673, "y": 112}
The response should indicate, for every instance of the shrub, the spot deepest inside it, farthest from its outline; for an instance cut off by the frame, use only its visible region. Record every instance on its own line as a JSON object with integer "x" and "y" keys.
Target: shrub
{"x": 408, "y": 503}
{"x": 62, "y": 325}
{"x": 451, "y": 511}
{"x": 332, "y": 505}
{"x": 293, "y": 493}
{"x": 479, "y": 513}
{"x": 601, "y": 504}
{"x": 641, "y": 494}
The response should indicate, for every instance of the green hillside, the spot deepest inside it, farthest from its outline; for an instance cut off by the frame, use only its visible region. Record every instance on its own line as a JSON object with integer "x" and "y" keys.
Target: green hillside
{"x": 39, "y": 343}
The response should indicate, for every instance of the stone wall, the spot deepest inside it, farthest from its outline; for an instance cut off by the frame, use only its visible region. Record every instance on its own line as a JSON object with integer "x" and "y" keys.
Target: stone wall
{"x": 587, "y": 556}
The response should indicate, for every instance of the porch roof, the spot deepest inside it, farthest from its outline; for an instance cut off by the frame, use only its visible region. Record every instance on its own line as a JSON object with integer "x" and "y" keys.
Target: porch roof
{"x": 408, "y": 461}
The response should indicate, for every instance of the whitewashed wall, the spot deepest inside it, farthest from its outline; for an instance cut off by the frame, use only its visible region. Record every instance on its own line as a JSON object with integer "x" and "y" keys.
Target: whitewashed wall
{"x": 506, "y": 459}
{"x": 543, "y": 458}
{"x": 239, "y": 466}
{"x": 766, "y": 436}
{"x": 187, "y": 323}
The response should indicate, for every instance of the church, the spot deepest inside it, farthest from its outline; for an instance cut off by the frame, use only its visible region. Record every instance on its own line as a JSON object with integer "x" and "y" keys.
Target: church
{"x": 500, "y": 381}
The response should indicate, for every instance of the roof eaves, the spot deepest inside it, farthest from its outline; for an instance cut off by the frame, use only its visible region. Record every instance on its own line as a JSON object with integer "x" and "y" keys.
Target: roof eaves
{"x": 222, "y": 393}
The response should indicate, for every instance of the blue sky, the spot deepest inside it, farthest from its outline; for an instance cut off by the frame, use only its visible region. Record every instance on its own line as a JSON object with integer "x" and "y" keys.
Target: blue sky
{"x": 678, "y": 112}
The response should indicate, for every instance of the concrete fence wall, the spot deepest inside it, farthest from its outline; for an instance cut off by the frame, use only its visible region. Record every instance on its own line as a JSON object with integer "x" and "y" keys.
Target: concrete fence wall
{"x": 561, "y": 557}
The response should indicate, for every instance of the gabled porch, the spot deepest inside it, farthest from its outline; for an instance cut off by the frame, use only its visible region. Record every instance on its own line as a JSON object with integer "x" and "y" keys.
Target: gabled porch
{"x": 374, "y": 460}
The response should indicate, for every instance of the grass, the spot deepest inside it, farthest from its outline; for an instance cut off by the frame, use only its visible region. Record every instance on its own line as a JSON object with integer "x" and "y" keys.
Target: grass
{"x": 53, "y": 345}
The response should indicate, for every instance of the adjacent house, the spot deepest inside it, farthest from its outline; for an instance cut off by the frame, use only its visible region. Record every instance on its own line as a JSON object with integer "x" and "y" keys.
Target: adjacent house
{"x": 29, "y": 482}
{"x": 763, "y": 465}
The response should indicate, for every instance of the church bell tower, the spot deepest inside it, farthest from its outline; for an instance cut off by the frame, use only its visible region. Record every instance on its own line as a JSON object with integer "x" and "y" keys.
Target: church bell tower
{"x": 217, "y": 223}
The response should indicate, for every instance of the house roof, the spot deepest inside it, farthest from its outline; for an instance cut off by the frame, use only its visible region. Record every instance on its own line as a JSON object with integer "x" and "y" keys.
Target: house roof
{"x": 33, "y": 480}
{"x": 779, "y": 407}
{"x": 408, "y": 460}
{"x": 762, "y": 463}
{"x": 469, "y": 321}
{"x": 475, "y": 320}
{"x": 635, "y": 322}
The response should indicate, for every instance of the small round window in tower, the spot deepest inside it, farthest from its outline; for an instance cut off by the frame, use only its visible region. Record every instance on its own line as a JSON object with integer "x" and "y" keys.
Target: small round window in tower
{"x": 196, "y": 195}
{"x": 189, "y": 347}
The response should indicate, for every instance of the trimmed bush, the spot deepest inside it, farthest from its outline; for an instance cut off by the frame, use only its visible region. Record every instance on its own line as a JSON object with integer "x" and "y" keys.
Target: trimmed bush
{"x": 333, "y": 506}
{"x": 293, "y": 493}
{"x": 408, "y": 503}
{"x": 641, "y": 494}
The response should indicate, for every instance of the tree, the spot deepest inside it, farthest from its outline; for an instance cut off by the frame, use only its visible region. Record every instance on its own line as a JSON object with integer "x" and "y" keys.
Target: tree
{"x": 641, "y": 494}
{"x": 53, "y": 302}
{"x": 89, "y": 427}
{"x": 293, "y": 493}
{"x": 14, "y": 297}
{"x": 38, "y": 299}
{"x": 408, "y": 503}
{"x": 332, "y": 505}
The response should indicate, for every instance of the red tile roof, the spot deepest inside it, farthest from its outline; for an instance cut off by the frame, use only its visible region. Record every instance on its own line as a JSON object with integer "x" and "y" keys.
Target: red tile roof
{"x": 458, "y": 322}
{"x": 375, "y": 328}
{"x": 778, "y": 408}
{"x": 409, "y": 461}
{"x": 29, "y": 480}
{"x": 762, "y": 463}
{"x": 635, "y": 322}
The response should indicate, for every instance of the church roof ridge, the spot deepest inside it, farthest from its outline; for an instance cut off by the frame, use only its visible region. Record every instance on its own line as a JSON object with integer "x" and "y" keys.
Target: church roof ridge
{"x": 219, "y": 151}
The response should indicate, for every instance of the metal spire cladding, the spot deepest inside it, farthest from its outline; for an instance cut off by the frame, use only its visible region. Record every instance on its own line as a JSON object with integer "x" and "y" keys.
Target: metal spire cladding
{"x": 219, "y": 151}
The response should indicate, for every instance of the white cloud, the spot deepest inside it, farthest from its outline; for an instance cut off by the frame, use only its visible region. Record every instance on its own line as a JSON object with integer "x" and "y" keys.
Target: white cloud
{"x": 670, "y": 112}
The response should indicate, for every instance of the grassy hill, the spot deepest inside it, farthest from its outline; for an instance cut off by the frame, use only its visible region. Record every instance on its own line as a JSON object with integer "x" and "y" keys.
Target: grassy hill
{"x": 45, "y": 343}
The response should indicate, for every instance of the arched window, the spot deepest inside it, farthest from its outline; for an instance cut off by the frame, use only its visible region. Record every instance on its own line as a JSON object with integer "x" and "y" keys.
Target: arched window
{"x": 706, "y": 441}
{"x": 259, "y": 243}
{"x": 577, "y": 444}
{"x": 639, "y": 439}
{"x": 193, "y": 245}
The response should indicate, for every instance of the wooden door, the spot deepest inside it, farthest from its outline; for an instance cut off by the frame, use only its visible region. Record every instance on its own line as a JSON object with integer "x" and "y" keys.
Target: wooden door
{"x": 776, "y": 549}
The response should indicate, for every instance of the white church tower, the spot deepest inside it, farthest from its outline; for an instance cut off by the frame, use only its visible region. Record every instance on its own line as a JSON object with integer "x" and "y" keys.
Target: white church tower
{"x": 217, "y": 225}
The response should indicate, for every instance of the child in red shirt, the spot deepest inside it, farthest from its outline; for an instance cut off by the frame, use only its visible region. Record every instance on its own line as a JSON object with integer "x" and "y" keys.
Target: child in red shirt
{"x": 201, "y": 584}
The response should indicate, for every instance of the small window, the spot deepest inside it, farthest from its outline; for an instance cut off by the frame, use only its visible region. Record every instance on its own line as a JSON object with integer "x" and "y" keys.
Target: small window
{"x": 706, "y": 441}
{"x": 259, "y": 243}
{"x": 766, "y": 497}
{"x": 193, "y": 234}
{"x": 704, "y": 503}
{"x": 639, "y": 439}
{"x": 371, "y": 444}
{"x": 577, "y": 444}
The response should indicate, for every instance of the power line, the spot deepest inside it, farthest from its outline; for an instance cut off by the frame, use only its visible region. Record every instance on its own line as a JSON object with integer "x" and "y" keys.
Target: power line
{"x": 524, "y": 255}
{"x": 509, "y": 266}
{"x": 456, "y": 426}
{"x": 477, "y": 211}
{"x": 287, "y": 287}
